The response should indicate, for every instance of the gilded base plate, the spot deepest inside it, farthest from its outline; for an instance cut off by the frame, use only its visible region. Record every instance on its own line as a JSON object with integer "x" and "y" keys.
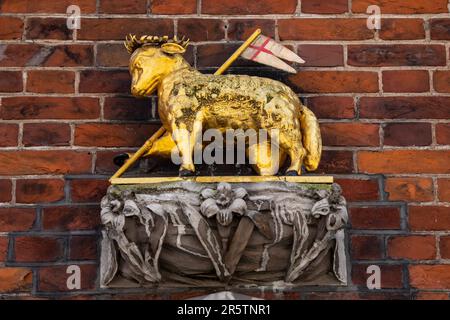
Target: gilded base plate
{"x": 231, "y": 179}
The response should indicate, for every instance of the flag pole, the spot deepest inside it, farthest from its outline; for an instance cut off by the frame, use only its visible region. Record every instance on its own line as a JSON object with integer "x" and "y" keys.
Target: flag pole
{"x": 148, "y": 144}
{"x": 238, "y": 52}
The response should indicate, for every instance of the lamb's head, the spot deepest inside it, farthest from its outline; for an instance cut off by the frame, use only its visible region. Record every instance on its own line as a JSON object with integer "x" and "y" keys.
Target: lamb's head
{"x": 153, "y": 58}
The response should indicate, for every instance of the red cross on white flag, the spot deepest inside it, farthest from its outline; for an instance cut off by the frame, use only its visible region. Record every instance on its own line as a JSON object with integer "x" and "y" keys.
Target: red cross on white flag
{"x": 266, "y": 51}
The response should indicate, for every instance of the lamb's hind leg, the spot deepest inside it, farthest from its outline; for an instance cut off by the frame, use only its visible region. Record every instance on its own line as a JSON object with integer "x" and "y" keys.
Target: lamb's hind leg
{"x": 291, "y": 143}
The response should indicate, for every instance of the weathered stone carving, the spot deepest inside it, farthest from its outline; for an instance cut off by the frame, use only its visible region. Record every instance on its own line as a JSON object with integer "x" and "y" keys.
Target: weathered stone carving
{"x": 207, "y": 234}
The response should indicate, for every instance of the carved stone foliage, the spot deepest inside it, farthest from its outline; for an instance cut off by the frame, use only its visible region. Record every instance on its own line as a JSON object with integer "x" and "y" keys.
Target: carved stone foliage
{"x": 217, "y": 235}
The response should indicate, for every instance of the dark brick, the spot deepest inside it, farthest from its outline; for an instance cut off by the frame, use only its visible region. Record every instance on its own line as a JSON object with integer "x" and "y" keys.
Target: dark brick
{"x": 366, "y": 247}
{"x": 11, "y": 81}
{"x": 65, "y": 218}
{"x": 37, "y": 249}
{"x": 321, "y": 55}
{"x": 16, "y": 219}
{"x": 375, "y": 218}
{"x": 407, "y": 134}
{"x": 241, "y": 29}
{"x": 46, "y": 134}
{"x": 88, "y": 190}
{"x": 83, "y": 248}
{"x": 396, "y": 55}
{"x": 48, "y": 28}
{"x": 201, "y": 29}
{"x": 405, "y": 107}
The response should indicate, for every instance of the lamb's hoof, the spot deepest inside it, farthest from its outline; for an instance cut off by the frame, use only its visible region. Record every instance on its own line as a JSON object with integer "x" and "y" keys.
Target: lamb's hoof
{"x": 292, "y": 173}
{"x": 186, "y": 173}
{"x": 120, "y": 159}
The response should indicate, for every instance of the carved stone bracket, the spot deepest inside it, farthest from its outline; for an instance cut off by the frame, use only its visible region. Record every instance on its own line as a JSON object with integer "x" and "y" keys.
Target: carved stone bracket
{"x": 208, "y": 234}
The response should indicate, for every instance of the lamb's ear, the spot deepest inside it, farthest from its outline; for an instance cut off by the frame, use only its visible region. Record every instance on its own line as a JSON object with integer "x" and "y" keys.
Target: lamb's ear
{"x": 172, "y": 48}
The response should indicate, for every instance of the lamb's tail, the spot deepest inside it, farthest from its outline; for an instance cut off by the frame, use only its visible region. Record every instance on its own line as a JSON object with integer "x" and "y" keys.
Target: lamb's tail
{"x": 312, "y": 140}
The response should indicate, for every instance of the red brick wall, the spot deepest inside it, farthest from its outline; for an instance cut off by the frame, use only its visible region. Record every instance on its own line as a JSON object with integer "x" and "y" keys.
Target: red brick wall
{"x": 383, "y": 99}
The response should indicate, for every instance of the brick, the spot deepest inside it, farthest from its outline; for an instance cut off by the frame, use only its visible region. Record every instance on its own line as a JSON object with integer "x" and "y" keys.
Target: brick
{"x": 124, "y": 6}
{"x": 440, "y": 29}
{"x": 402, "y": 6}
{"x": 16, "y": 219}
{"x": 83, "y": 248}
{"x": 429, "y": 218}
{"x": 336, "y": 162}
{"x": 33, "y": 55}
{"x": 46, "y": 134}
{"x": 366, "y": 247}
{"x": 335, "y": 295}
{"x": 119, "y": 28}
{"x": 37, "y": 249}
{"x": 412, "y": 247}
{"x": 324, "y": 29}
{"x": 424, "y": 295}
{"x": 329, "y": 107}
{"x": 66, "y": 218}
{"x": 391, "y": 276}
{"x": 320, "y": 7}
{"x": 444, "y": 189}
{"x": 443, "y": 133}
{"x": 350, "y": 134}
{"x": 441, "y": 80}
{"x": 39, "y": 190}
{"x": 15, "y": 280}
{"x": 334, "y": 81}
{"x": 396, "y": 55}
{"x": 173, "y": 6}
{"x": 375, "y": 218}
{"x": 383, "y": 295}
{"x": 444, "y": 245}
{"x": 5, "y": 190}
{"x": 214, "y": 55}
{"x": 113, "y": 135}
{"x": 31, "y": 6}
{"x": 8, "y": 134}
{"x": 124, "y": 108}
{"x": 112, "y": 55}
{"x": 406, "y": 81}
{"x": 430, "y": 276}
{"x": 241, "y": 29}
{"x": 3, "y": 249}
{"x": 321, "y": 55}
{"x": 407, "y": 134}
{"x": 46, "y": 56}
{"x": 243, "y": 7}
{"x": 88, "y": 190}
{"x": 202, "y": 29}
{"x": 11, "y": 81}
{"x": 104, "y": 162}
{"x": 410, "y": 189}
{"x": 405, "y": 107}
{"x": 404, "y": 161}
{"x": 47, "y": 28}
{"x": 54, "y": 278}
{"x": 26, "y": 108}
{"x": 44, "y": 162}
{"x": 359, "y": 189}
{"x": 40, "y": 81}
{"x": 402, "y": 29}
{"x": 95, "y": 81}
{"x": 11, "y": 28}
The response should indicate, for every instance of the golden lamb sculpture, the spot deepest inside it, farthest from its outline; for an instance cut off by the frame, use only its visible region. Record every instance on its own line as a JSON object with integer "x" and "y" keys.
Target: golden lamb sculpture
{"x": 191, "y": 102}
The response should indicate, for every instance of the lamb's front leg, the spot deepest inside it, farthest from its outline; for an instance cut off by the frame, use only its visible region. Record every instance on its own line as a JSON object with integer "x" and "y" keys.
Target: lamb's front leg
{"x": 182, "y": 138}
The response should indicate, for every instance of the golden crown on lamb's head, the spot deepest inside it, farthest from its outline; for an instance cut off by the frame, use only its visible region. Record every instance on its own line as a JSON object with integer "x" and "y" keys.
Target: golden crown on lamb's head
{"x": 133, "y": 43}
